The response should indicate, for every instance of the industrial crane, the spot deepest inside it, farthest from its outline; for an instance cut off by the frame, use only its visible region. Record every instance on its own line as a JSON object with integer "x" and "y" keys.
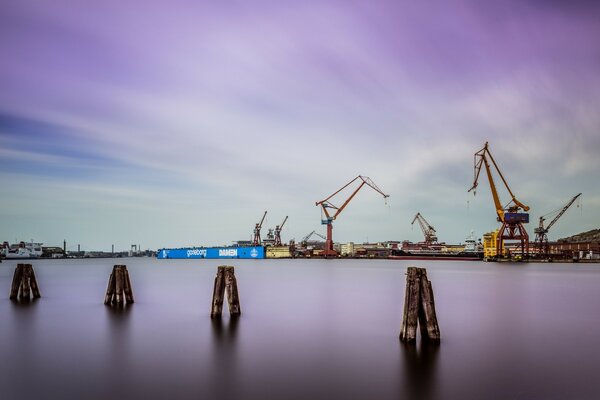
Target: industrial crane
{"x": 541, "y": 232}
{"x": 329, "y": 218}
{"x": 510, "y": 215}
{"x": 307, "y": 237}
{"x": 256, "y": 235}
{"x": 428, "y": 230}
{"x": 278, "y": 229}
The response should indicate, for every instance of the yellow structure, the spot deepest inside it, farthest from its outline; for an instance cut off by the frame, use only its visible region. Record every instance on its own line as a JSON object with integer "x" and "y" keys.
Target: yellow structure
{"x": 489, "y": 245}
{"x": 278, "y": 252}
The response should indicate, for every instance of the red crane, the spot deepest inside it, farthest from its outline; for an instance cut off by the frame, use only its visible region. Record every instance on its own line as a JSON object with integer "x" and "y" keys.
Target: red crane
{"x": 329, "y": 218}
{"x": 256, "y": 236}
{"x": 278, "y": 229}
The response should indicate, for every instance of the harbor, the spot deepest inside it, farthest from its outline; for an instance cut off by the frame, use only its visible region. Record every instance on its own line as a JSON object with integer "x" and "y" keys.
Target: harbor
{"x": 308, "y": 329}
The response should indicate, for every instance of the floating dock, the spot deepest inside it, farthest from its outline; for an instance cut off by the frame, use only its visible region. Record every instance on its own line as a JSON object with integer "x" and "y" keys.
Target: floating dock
{"x": 211, "y": 252}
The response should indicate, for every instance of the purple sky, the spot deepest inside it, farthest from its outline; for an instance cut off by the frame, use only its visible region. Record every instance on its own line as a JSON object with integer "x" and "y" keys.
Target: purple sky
{"x": 178, "y": 123}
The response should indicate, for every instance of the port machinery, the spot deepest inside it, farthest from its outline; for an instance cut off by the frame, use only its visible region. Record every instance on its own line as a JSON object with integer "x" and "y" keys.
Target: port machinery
{"x": 428, "y": 230}
{"x": 541, "y": 232}
{"x": 278, "y": 229}
{"x": 306, "y": 238}
{"x": 512, "y": 215}
{"x": 256, "y": 241}
{"x": 326, "y": 205}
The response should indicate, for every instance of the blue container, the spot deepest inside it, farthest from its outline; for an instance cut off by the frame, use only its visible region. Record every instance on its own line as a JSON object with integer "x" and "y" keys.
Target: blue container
{"x": 212, "y": 252}
{"x": 516, "y": 217}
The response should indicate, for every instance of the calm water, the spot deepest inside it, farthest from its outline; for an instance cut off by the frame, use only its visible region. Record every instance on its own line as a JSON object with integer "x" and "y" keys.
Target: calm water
{"x": 310, "y": 329}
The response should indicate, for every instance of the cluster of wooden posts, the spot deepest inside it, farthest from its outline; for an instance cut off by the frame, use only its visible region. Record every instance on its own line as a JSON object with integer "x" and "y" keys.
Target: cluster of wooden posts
{"x": 419, "y": 308}
{"x": 419, "y": 305}
{"x": 119, "y": 287}
{"x": 24, "y": 283}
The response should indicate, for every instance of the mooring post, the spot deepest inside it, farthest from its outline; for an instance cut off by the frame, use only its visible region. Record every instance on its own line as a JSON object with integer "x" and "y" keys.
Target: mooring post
{"x": 408, "y": 332}
{"x": 225, "y": 280}
{"x": 419, "y": 308}
{"x": 431, "y": 329}
{"x": 232, "y": 292}
{"x": 119, "y": 288}
{"x": 16, "y": 282}
{"x": 127, "y": 286}
{"x": 218, "y": 292}
{"x": 24, "y": 283}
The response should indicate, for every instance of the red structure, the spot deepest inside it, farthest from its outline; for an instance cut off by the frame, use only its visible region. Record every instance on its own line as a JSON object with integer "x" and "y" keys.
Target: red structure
{"x": 256, "y": 241}
{"x": 329, "y": 218}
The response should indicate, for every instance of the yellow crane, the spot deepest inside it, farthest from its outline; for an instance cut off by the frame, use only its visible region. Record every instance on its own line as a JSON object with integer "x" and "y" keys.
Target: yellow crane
{"x": 512, "y": 215}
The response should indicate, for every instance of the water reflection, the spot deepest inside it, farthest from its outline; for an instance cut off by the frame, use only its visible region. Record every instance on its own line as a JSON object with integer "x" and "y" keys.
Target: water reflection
{"x": 24, "y": 302}
{"x": 420, "y": 362}
{"x": 224, "y": 358}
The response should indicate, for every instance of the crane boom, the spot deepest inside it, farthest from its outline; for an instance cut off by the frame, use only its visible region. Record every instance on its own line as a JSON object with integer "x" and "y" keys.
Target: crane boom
{"x": 256, "y": 241}
{"x": 428, "y": 230}
{"x": 483, "y": 155}
{"x": 307, "y": 237}
{"x": 278, "y": 229}
{"x": 541, "y": 232}
{"x": 565, "y": 208}
{"x": 513, "y": 214}
{"x": 329, "y": 218}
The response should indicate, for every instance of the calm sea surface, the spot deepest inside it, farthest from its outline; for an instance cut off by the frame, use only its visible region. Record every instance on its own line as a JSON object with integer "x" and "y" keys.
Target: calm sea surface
{"x": 310, "y": 329}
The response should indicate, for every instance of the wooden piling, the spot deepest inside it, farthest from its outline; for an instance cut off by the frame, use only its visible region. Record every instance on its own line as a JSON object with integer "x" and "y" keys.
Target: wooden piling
{"x": 218, "y": 292}
{"x": 233, "y": 298}
{"x": 127, "y": 287}
{"x": 16, "y": 282}
{"x": 35, "y": 289}
{"x": 24, "y": 283}
{"x": 408, "y": 332}
{"x": 419, "y": 308}
{"x": 225, "y": 280}
{"x": 119, "y": 288}
{"x": 432, "y": 328}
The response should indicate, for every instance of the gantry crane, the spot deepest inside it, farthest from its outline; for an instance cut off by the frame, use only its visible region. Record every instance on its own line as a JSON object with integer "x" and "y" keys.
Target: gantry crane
{"x": 329, "y": 218}
{"x": 510, "y": 215}
{"x": 256, "y": 234}
{"x": 541, "y": 232}
{"x": 428, "y": 230}
{"x": 278, "y": 229}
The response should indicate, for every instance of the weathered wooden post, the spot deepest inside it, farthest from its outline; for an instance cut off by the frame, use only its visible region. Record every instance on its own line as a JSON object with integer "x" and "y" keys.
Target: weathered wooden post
{"x": 419, "y": 308}
{"x": 225, "y": 280}
{"x": 24, "y": 283}
{"x": 119, "y": 288}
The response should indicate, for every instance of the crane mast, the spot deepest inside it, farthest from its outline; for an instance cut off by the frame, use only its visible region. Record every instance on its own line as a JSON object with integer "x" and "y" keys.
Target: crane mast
{"x": 278, "y": 229}
{"x": 541, "y": 232}
{"x": 330, "y": 217}
{"x": 509, "y": 215}
{"x": 428, "y": 230}
{"x": 256, "y": 241}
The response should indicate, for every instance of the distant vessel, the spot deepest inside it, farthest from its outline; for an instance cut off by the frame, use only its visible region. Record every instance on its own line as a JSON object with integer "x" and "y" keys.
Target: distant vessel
{"x": 22, "y": 250}
{"x": 472, "y": 251}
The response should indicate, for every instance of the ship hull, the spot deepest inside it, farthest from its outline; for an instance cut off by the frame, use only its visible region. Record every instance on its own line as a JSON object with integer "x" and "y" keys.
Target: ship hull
{"x": 437, "y": 256}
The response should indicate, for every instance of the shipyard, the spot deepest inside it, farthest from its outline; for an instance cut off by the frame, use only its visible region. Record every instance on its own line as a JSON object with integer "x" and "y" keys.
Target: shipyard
{"x": 352, "y": 200}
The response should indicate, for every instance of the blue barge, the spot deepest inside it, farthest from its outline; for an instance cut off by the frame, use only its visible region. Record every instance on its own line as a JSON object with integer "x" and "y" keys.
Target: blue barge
{"x": 211, "y": 252}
